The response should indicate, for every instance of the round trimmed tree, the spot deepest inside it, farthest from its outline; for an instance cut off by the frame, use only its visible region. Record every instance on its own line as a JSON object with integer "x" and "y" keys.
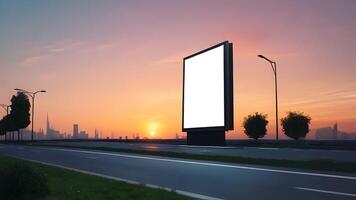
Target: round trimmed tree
{"x": 296, "y": 125}
{"x": 255, "y": 125}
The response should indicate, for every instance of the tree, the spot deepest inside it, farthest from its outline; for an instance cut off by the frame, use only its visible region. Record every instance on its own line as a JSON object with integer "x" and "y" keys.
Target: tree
{"x": 296, "y": 125}
{"x": 2, "y": 127}
{"x": 20, "y": 111}
{"x": 255, "y": 125}
{"x": 7, "y": 124}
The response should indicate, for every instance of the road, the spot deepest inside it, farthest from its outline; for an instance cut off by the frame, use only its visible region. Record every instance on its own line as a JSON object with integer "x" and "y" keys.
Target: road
{"x": 254, "y": 152}
{"x": 210, "y": 180}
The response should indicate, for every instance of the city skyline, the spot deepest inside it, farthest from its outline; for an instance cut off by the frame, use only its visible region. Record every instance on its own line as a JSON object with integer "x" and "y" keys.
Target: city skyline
{"x": 118, "y": 66}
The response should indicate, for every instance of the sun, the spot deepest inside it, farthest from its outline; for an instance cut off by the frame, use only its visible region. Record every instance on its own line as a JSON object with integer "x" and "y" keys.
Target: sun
{"x": 152, "y": 128}
{"x": 152, "y": 133}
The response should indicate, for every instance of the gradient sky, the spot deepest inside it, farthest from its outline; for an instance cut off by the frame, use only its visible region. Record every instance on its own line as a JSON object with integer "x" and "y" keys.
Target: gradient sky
{"x": 117, "y": 65}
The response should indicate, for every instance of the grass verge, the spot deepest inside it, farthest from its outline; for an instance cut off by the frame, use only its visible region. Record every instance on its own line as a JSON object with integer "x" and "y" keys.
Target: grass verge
{"x": 68, "y": 185}
{"x": 323, "y": 165}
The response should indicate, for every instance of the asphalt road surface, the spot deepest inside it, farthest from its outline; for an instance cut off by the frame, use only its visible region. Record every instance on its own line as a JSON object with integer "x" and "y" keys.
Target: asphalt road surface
{"x": 254, "y": 152}
{"x": 207, "y": 180}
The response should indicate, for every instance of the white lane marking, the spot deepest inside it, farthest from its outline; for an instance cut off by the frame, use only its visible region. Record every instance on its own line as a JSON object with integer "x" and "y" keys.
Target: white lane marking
{"x": 267, "y": 148}
{"x": 213, "y": 147}
{"x": 197, "y": 196}
{"x": 184, "y": 193}
{"x": 153, "y": 186}
{"x": 208, "y": 164}
{"x": 159, "y": 187}
{"x": 326, "y": 191}
{"x": 132, "y": 182}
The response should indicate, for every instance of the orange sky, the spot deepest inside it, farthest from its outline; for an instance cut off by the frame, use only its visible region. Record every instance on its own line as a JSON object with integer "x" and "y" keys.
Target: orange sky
{"x": 117, "y": 66}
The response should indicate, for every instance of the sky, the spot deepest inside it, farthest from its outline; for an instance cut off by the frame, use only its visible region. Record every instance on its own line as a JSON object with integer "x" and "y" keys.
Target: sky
{"x": 117, "y": 65}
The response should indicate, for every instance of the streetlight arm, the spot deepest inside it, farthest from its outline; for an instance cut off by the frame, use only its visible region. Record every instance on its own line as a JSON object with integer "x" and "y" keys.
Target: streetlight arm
{"x": 38, "y": 91}
{"x": 264, "y": 57}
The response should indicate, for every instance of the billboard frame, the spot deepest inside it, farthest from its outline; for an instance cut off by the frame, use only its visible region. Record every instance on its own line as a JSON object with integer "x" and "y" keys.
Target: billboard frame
{"x": 228, "y": 90}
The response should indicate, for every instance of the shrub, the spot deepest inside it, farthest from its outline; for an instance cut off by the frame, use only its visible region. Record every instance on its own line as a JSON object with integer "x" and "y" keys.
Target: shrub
{"x": 255, "y": 125}
{"x": 296, "y": 125}
{"x": 21, "y": 181}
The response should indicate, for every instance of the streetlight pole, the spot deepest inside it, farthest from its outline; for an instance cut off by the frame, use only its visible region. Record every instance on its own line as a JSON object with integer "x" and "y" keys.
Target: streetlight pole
{"x": 274, "y": 68}
{"x": 5, "y": 107}
{"x": 32, "y": 95}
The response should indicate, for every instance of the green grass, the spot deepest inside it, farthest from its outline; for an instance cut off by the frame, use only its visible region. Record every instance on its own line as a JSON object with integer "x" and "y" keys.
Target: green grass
{"x": 68, "y": 185}
{"x": 322, "y": 165}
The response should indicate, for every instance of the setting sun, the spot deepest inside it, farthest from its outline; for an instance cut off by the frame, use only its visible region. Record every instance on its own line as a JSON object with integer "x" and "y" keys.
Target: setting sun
{"x": 152, "y": 128}
{"x": 152, "y": 133}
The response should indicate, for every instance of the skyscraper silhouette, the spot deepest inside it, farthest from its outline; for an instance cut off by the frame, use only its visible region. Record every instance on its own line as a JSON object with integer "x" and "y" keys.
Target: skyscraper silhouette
{"x": 75, "y": 131}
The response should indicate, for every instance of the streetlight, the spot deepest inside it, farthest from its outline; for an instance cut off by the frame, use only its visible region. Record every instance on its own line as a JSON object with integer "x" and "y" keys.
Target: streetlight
{"x": 274, "y": 68}
{"x": 32, "y": 95}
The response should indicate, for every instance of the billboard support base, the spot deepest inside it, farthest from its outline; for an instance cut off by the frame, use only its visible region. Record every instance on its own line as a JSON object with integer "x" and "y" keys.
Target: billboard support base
{"x": 206, "y": 138}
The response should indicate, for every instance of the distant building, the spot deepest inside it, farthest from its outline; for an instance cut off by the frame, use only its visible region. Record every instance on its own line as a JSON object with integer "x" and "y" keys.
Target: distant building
{"x": 332, "y": 133}
{"x": 347, "y": 136}
{"x": 96, "y": 134}
{"x": 40, "y": 135}
{"x": 326, "y": 133}
{"x": 83, "y": 135}
{"x": 136, "y": 136}
{"x": 75, "y": 131}
{"x": 25, "y": 134}
{"x": 79, "y": 135}
{"x": 52, "y": 134}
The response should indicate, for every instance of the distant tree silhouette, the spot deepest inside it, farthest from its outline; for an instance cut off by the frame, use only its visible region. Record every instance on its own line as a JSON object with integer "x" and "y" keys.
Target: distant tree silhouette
{"x": 20, "y": 111}
{"x": 7, "y": 124}
{"x": 255, "y": 125}
{"x": 296, "y": 125}
{"x": 3, "y": 127}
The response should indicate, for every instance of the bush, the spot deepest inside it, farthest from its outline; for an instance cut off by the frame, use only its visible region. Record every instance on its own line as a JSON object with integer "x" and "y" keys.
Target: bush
{"x": 296, "y": 125}
{"x": 255, "y": 125}
{"x": 21, "y": 181}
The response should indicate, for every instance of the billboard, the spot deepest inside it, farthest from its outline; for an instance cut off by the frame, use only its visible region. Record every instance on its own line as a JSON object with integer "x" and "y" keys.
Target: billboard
{"x": 208, "y": 89}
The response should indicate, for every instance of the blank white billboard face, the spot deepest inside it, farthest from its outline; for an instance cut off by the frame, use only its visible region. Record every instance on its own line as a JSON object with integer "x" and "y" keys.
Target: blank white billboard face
{"x": 204, "y": 90}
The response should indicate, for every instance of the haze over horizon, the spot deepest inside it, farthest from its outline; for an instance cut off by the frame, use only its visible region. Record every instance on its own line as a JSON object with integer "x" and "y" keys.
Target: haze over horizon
{"x": 117, "y": 65}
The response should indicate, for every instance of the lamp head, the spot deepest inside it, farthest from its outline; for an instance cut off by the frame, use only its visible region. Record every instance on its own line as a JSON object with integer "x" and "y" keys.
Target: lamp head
{"x": 261, "y": 56}
{"x": 264, "y": 57}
